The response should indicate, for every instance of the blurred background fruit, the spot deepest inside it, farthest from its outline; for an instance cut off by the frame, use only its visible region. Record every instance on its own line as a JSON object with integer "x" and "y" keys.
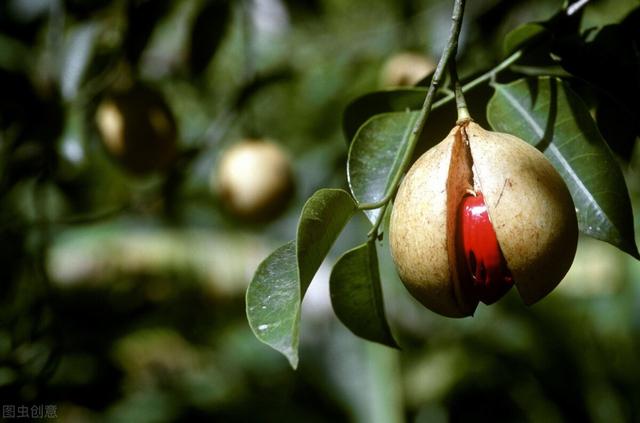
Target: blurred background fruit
{"x": 138, "y": 129}
{"x": 406, "y": 69}
{"x": 254, "y": 179}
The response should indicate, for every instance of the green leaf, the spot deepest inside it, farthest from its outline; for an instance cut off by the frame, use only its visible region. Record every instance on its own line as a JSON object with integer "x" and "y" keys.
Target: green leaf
{"x": 356, "y": 295}
{"x": 547, "y": 114}
{"x": 522, "y": 35}
{"x": 276, "y": 290}
{"x": 273, "y": 302}
{"x": 371, "y": 104}
{"x": 322, "y": 219}
{"x": 376, "y": 154}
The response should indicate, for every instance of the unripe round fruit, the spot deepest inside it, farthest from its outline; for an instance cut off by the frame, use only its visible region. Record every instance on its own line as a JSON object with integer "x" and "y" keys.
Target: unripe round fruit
{"x": 254, "y": 179}
{"x": 441, "y": 240}
{"x": 138, "y": 129}
{"x": 406, "y": 69}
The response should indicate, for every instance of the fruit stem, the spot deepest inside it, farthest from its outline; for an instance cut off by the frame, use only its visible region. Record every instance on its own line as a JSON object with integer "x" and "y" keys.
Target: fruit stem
{"x": 461, "y": 103}
{"x": 456, "y": 21}
{"x": 482, "y": 78}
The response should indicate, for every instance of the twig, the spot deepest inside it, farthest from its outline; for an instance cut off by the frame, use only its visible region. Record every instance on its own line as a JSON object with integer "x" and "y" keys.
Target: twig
{"x": 454, "y": 33}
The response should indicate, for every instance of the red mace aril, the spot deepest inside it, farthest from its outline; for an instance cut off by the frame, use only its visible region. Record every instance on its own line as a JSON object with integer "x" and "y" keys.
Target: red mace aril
{"x": 480, "y": 212}
{"x": 479, "y": 250}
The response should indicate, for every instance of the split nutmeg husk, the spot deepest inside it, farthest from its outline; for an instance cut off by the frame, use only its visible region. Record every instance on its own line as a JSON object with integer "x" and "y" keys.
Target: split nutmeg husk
{"x": 477, "y": 213}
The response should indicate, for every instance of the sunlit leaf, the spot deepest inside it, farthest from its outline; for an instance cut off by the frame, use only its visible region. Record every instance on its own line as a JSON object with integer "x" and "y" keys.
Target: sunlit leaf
{"x": 273, "y": 302}
{"x": 548, "y": 115}
{"x": 356, "y": 294}
{"x": 371, "y": 104}
{"x": 376, "y": 154}
{"x": 276, "y": 290}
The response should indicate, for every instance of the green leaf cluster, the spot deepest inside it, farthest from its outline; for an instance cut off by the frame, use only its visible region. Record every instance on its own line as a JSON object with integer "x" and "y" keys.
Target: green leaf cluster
{"x": 539, "y": 95}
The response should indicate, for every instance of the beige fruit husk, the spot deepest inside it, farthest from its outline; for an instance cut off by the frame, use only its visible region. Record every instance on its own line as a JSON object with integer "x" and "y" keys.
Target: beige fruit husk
{"x": 528, "y": 203}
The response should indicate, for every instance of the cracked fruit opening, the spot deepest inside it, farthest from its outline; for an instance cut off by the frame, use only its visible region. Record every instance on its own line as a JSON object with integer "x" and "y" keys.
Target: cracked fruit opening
{"x": 476, "y": 214}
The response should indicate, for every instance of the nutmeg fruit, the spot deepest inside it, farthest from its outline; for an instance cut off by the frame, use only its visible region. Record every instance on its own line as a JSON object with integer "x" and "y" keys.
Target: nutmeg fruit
{"x": 254, "y": 179}
{"x": 476, "y": 214}
{"x": 138, "y": 129}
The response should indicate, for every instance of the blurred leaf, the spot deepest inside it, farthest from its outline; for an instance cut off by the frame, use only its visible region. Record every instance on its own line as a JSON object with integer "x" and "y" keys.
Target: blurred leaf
{"x": 143, "y": 16}
{"x": 18, "y": 99}
{"x": 548, "y": 115}
{"x": 78, "y": 53}
{"x": 14, "y": 55}
{"x": 28, "y": 148}
{"x": 28, "y": 160}
{"x": 522, "y": 35}
{"x": 356, "y": 294}
{"x": 371, "y": 104}
{"x": 277, "y": 288}
{"x": 207, "y": 33}
{"x": 305, "y": 8}
{"x": 22, "y": 20}
{"x": 256, "y": 84}
{"x": 81, "y": 9}
{"x": 375, "y": 156}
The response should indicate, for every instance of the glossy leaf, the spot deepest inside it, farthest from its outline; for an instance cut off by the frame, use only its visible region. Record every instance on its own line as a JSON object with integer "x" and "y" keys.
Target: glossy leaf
{"x": 547, "y": 114}
{"x": 273, "y": 302}
{"x": 371, "y": 104}
{"x": 275, "y": 293}
{"x": 376, "y": 154}
{"x": 356, "y": 294}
